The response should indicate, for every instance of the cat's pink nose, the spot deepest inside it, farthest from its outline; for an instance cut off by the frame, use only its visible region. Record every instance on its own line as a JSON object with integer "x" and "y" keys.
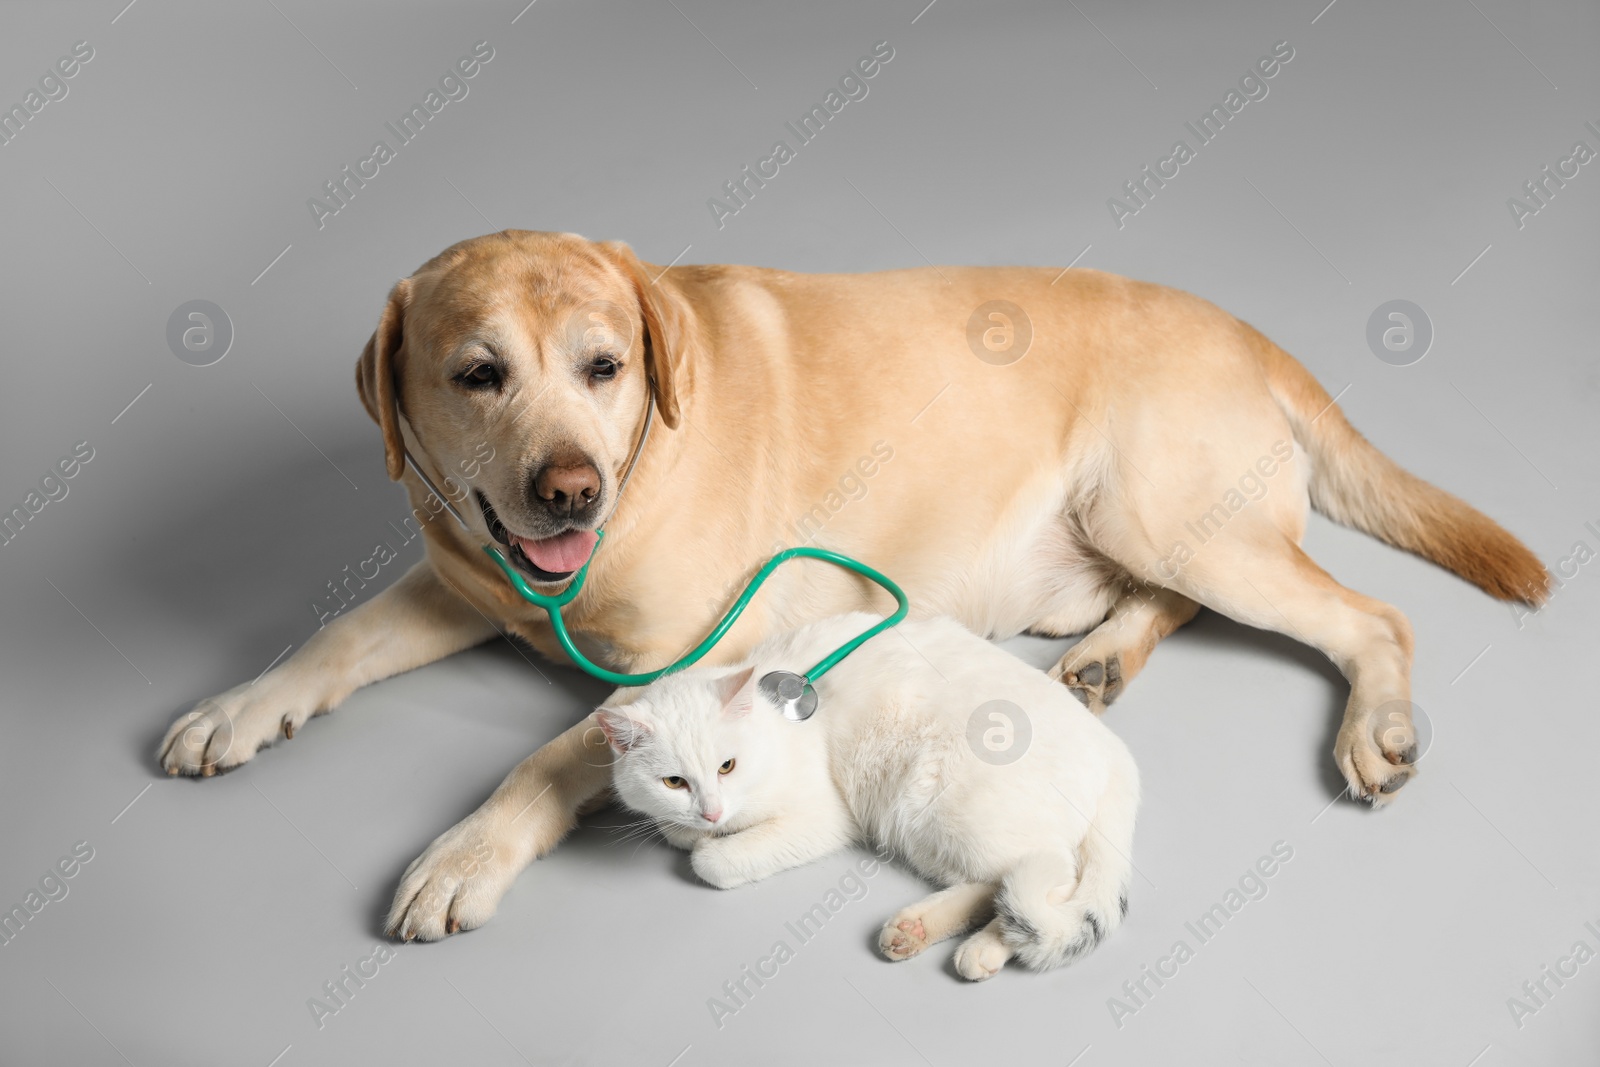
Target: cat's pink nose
{"x": 711, "y": 816}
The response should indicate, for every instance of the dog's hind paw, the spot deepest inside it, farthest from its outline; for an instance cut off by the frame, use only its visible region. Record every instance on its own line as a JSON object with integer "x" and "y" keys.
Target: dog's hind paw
{"x": 1377, "y": 752}
{"x": 1096, "y": 684}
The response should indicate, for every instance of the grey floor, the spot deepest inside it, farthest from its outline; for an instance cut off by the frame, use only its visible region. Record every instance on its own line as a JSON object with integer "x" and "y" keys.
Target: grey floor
{"x": 220, "y": 499}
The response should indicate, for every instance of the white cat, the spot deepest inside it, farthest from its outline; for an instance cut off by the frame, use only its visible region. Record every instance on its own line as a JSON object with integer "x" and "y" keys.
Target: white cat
{"x": 1023, "y": 810}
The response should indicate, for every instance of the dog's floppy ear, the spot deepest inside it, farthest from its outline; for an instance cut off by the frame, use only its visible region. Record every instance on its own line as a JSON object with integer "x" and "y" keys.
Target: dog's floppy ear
{"x": 667, "y": 326}
{"x": 375, "y": 377}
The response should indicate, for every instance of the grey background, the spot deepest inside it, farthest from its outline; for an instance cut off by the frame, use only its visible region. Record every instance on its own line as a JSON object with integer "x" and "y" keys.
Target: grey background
{"x": 187, "y": 552}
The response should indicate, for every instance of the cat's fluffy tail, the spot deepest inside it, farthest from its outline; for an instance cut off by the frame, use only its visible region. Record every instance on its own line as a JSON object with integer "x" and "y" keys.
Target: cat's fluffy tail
{"x": 1047, "y": 921}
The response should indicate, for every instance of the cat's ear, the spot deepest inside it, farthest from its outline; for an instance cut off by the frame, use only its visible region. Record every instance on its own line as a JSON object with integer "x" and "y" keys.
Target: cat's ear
{"x": 623, "y": 727}
{"x": 738, "y": 692}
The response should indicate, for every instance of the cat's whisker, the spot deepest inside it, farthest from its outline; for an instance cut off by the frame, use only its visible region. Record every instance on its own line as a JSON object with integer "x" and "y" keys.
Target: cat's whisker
{"x": 643, "y": 833}
{"x": 640, "y": 830}
{"x": 643, "y": 841}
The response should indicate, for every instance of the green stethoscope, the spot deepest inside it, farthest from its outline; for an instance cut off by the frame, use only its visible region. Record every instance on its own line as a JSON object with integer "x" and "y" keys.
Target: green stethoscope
{"x": 793, "y": 694}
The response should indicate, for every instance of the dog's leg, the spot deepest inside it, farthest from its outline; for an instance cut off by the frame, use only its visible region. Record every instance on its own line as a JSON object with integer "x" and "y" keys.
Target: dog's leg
{"x": 1098, "y": 668}
{"x": 458, "y": 881}
{"x": 415, "y": 621}
{"x": 1266, "y": 580}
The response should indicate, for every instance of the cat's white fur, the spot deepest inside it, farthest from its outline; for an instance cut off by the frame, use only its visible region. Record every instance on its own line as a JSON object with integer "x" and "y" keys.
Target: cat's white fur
{"x": 902, "y": 754}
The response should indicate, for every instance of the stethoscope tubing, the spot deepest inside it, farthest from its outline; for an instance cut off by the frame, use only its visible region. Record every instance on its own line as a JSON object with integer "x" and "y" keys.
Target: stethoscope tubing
{"x": 553, "y": 603}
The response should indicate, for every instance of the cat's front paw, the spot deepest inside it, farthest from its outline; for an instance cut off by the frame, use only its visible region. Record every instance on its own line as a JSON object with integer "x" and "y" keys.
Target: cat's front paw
{"x": 902, "y": 937}
{"x": 712, "y": 862}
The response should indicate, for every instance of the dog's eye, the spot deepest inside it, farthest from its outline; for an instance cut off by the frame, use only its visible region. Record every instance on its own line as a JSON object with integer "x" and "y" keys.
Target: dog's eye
{"x": 604, "y": 368}
{"x": 726, "y": 768}
{"x": 674, "y": 782}
{"x": 479, "y": 376}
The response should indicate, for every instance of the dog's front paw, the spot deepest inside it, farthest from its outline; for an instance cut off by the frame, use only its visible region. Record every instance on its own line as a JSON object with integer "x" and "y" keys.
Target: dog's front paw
{"x": 456, "y": 884}
{"x": 220, "y": 733}
{"x": 712, "y": 861}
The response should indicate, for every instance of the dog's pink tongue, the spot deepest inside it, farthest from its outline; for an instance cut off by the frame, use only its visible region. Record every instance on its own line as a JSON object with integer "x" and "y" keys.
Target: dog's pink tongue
{"x": 561, "y": 553}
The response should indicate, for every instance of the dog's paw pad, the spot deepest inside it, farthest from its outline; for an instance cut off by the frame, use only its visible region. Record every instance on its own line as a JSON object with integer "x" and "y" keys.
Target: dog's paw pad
{"x": 1096, "y": 684}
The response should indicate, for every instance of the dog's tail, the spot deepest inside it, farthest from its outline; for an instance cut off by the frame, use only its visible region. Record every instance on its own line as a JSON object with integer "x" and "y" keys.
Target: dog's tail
{"x": 1048, "y": 921}
{"x": 1355, "y": 484}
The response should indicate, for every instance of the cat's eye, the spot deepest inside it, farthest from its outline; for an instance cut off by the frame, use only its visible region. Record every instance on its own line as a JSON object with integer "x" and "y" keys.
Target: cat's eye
{"x": 726, "y": 768}
{"x": 674, "y": 782}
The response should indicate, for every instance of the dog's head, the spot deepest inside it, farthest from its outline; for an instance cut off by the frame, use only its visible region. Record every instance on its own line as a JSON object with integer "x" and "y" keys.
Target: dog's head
{"x": 519, "y": 366}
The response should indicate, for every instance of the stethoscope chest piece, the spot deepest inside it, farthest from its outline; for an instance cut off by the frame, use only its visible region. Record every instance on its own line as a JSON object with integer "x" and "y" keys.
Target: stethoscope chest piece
{"x": 794, "y": 696}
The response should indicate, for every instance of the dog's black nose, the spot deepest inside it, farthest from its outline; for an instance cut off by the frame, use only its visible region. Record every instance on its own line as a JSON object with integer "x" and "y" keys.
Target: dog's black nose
{"x": 566, "y": 486}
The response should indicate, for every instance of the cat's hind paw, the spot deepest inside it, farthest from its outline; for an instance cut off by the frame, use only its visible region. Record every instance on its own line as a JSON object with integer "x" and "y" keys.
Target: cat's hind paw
{"x": 981, "y": 956}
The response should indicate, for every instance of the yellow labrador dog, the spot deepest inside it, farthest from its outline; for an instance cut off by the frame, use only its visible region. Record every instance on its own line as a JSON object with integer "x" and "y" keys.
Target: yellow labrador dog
{"x": 1023, "y": 449}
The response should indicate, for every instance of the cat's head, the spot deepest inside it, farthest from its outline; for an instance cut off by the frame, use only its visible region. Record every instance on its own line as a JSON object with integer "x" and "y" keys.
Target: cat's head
{"x": 688, "y": 751}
